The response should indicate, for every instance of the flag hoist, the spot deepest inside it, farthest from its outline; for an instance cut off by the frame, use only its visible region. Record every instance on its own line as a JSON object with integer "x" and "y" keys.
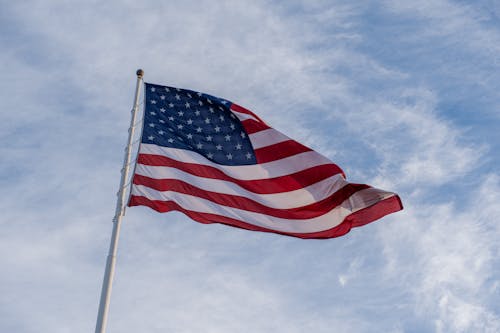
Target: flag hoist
{"x": 102, "y": 316}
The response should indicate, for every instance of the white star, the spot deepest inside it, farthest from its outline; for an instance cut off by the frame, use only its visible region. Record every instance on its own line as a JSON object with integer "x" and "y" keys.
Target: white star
{"x": 209, "y": 138}
{"x": 243, "y": 135}
{"x": 153, "y": 89}
{"x": 229, "y": 156}
{"x": 180, "y": 126}
{"x": 211, "y": 109}
{"x": 177, "y": 97}
{"x": 153, "y": 101}
{"x": 177, "y": 89}
{"x": 233, "y": 116}
{"x": 171, "y": 118}
{"x": 190, "y": 136}
{"x": 151, "y": 125}
{"x": 223, "y": 102}
{"x": 199, "y": 94}
{"x": 161, "y": 132}
{"x": 228, "y": 137}
{"x": 197, "y": 112}
{"x": 198, "y": 130}
{"x": 189, "y": 95}
{"x": 219, "y": 147}
{"x": 232, "y": 126}
{"x": 170, "y": 140}
{"x": 221, "y": 117}
{"x": 152, "y": 113}
{"x": 162, "y": 121}
{"x": 210, "y": 155}
{"x": 238, "y": 146}
{"x": 151, "y": 137}
{"x": 199, "y": 145}
{"x": 166, "y": 89}
{"x": 217, "y": 129}
{"x": 200, "y": 103}
{"x": 180, "y": 113}
{"x": 187, "y": 105}
{"x": 162, "y": 110}
{"x": 209, "y": 101}
{"x": 170, "y": 105}
{"x": 249, "y": 156}
{"x": 220, "y": 108}
{"x": 162, "y": 97}
{"x": 189, "y": 121}
{"x": 207, "y": 121}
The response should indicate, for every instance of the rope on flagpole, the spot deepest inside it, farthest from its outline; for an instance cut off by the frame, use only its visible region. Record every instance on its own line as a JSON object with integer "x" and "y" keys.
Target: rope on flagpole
{"x": 102, "y": 316}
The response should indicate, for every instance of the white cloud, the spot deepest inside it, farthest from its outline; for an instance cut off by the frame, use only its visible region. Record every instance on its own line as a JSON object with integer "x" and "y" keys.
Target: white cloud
{"x": 465, "y": 48}
{"x": 459, "y": 316}
{"x": 455, "y": 250}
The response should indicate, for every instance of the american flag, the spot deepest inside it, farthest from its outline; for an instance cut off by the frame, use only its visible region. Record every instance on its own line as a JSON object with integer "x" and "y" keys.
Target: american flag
{"x": 218, "y": 162}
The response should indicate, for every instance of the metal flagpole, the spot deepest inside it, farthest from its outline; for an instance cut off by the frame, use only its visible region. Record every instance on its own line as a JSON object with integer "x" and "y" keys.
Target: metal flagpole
{"x": 102, "y": 316}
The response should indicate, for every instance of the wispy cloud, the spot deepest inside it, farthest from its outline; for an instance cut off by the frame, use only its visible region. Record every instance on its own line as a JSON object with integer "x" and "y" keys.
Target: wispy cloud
{"x": 455, "y": 250}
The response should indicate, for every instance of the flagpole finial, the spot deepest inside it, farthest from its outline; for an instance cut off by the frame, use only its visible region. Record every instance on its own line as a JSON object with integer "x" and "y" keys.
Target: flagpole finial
{"x": 140, "y": 73}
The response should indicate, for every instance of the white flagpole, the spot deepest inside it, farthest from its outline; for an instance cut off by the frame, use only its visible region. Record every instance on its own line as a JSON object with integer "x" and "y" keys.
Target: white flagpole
{"x": 102, "y": 316}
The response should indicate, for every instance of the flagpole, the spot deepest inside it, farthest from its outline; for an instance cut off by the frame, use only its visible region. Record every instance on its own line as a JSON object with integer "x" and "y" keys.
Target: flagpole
{"x": 102, "y": 316}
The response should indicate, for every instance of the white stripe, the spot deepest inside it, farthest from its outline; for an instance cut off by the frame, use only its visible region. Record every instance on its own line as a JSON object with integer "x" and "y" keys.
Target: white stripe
{"x": 266, "y": 138}
{"x": 286, "y": 200}
{"x": 359, "y": 200}
{"x": 244, "y": 116}
{"x": 272, "y": 169}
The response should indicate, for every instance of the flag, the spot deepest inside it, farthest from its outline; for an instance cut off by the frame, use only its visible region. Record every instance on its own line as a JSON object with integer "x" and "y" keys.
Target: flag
{"x": 217, "y": 162}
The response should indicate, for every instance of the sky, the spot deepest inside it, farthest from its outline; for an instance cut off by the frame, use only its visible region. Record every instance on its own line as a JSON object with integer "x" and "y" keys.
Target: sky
{"x": 403, "y": 95}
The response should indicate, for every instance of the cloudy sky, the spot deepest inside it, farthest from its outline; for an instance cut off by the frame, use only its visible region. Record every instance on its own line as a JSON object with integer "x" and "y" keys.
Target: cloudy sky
{"x": 403, "y": 95}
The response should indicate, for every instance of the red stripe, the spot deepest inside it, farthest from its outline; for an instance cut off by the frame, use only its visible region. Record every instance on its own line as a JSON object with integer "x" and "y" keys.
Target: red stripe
{"x": 251, "y": 126}
{"x": 286, "y": 183}
{"x": 240, "y": 109}
{"x": 279, "y": 150}
{"x": 305, "y": 212}
{"x": 367, "y": 215}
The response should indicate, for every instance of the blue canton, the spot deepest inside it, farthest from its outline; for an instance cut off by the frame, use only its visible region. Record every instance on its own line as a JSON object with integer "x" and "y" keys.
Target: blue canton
{"x": 186, "y": 119}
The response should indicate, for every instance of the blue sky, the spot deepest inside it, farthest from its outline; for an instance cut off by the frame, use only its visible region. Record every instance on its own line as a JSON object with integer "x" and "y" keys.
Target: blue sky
{"x": 402, "y": 94}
